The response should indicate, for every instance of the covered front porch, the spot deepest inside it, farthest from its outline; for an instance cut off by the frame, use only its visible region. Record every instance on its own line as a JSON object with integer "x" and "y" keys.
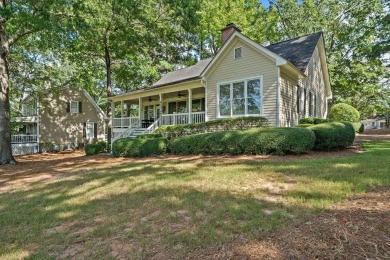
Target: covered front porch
{"x": 152, "y": 109}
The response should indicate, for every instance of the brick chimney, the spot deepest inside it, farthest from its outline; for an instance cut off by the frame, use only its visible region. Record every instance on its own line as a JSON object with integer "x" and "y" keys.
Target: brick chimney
{"x": 227, "y": 31}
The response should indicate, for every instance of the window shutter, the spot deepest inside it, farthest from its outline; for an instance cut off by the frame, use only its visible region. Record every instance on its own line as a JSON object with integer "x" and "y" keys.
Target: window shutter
{"x": 84, "y": 130}
{"x": 95, "y": 130}
{"x": 80, "y": 107}
{"x": 298, "y": 97}
{"x": 310, "y": 103}
{"x": 68, "y": 107}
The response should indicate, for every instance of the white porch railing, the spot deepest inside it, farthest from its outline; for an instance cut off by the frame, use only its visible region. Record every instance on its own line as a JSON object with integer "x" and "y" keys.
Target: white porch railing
{"x": 124, "y": 122}
{"x": 29, "y": 111}
{"x": 20, "y": 139}
{"x": 182, "y": 118}
{"x": 153, "y": 127}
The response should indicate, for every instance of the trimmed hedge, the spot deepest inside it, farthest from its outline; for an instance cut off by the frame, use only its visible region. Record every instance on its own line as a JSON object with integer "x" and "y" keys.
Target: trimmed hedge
{"x": 91, "y": 149}
{"x": 304, "y": 125}
{"x": 277, "y": 141}
{"x": 333, "y": 135}
{"x": 139, "y": 147}
{"x": 344, "y": 112}
{"x": 226, "y": 124}
{"x": 313, "y": 121}
{"x": 359, "y": 127}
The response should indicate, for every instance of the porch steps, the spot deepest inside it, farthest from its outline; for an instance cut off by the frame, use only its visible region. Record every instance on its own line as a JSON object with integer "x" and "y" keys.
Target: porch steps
{"x": 137, "y": 132}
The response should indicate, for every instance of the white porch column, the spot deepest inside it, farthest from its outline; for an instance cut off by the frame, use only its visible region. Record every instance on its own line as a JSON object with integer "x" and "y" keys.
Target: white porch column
{"x": 189, "y": 105}
{"x": 140, "y": 111}
{"x": 112, "y": 117}
{"x": 121, "y": 113}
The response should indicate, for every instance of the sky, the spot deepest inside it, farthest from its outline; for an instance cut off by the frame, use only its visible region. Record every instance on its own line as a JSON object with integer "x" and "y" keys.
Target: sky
{"x": 265, "y": 3}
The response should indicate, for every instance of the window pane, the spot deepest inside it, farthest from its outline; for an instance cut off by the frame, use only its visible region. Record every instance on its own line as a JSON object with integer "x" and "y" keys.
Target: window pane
{"x": 224, "y": 108}
{"x": 253, "y": 88}
{"x": 182, "y": 107}
{"x": 238, "y": 90}
{"x": 239, "y": 106}
{"x": 254, "y": 105}
{"x": 74, "y": 107}
{"x": 171, "y": 107}
{"x": 224, "y": 100}
{"x": 196, "y": 105}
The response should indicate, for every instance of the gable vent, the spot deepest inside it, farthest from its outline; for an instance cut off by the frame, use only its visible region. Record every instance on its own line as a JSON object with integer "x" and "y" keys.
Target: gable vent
{"x": 238, "y": 53}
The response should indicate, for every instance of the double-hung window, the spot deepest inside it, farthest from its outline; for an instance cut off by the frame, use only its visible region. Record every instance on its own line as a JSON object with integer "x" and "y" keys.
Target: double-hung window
{"x": 301, "y": 100}
{"x": 240, "y": 98}
{"x": 90, "y": 130}
{"x": 74, "y": 106}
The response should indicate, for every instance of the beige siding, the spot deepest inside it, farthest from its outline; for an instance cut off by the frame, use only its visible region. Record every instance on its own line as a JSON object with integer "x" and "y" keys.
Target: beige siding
{"x": 60, "y": 127}
{"x": 313, "y": 82}
{"x": 288, "y": 91}
{"x": 251, "y": 64}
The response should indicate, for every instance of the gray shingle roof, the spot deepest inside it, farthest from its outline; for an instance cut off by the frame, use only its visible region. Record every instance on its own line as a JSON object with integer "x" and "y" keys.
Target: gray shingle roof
{"x": 185, "y": 74}
{"x": 298, "y": 51}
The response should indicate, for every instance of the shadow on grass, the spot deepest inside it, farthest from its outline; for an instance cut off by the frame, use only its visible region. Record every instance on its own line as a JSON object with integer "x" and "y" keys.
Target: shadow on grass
{"x": 136, "y": 210}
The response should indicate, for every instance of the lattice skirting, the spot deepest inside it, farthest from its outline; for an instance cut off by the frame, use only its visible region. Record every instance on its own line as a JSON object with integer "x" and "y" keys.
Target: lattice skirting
{"x": 20, "y": 149}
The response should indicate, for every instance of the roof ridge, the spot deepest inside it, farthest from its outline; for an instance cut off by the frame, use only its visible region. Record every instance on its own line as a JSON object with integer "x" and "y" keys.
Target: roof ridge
{"x": 188, "y": 66}
{"x": 295, "y": 38}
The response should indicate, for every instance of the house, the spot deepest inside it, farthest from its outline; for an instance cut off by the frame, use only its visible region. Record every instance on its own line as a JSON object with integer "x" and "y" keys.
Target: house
{"x": 57, "y": 119}
{"x": 375, "y": 122}
{"x": 283, "y": 82}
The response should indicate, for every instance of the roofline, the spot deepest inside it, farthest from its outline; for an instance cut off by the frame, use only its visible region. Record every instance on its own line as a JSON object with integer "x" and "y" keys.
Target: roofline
{"x": 174, "y": 82}
{"x": 295, "y": 38}
{"x": 140, "y": 91}
{"x": 88, "y": 96}
{"x": 279, "y": 59}
{"x": 324, "y": 62}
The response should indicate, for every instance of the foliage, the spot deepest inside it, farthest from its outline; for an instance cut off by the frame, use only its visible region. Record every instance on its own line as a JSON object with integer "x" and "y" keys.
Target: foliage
{"x": 91, "y": 149}
{"x": 304, "y": 125}
{"x": 313, "y": 120}
{"x": 333, "y": 135}
{"x": 226, "y": 124}
{"x": 254, "y": 141}
{"x": 139, "y": 147}
{"x": 344, "y": 112}
{"x": 153, "y": 135}
{"x": 358, "y": 127}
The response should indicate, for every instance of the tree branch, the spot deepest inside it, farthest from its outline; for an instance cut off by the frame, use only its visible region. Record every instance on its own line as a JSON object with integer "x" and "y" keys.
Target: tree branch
{"x": 17, "y": 36}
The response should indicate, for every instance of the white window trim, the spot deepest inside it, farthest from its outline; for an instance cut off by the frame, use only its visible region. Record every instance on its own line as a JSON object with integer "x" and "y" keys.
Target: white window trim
{"x": 87, "y": 124}
{"x": 302, "y": 102}
{"x": 245, "y": 96}
{"x": 70, "y": 107}
{"x": 234, "y": 53}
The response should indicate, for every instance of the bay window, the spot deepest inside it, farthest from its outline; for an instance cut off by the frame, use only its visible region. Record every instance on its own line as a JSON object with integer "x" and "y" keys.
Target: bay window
{"x": 240, "y": 98}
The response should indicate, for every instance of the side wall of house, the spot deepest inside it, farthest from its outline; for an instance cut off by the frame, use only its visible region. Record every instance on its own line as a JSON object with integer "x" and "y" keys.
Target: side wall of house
{"x": 313, "y": 82}
{"x": 61, "y": 127}
{"x": 252, "y": 64}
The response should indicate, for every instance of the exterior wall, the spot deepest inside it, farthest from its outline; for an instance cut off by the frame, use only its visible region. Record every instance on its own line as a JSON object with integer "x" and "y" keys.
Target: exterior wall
{"x": 252, "y": 64}
{"x": 313, "y": 82}
{"x": 61, "y": 127}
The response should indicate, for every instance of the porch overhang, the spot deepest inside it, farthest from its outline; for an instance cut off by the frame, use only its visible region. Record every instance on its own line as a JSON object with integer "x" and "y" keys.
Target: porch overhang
{"x": 196, "y": 83}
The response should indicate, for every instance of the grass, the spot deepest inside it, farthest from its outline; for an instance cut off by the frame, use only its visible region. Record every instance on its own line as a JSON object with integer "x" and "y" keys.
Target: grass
{"x": 137, "y": 209}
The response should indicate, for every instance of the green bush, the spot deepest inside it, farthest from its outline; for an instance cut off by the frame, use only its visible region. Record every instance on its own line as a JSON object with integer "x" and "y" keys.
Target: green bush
{"x": 139, "y": 147}
{"x": 344, "y": 112}
{"x": 359, "y": 127}
{"x": 146, "y": 136}
{"x": 226, "y": 124}
{"x": 277, "y": 141}
{"x": 91, "y": 149}
{"x": 333, "y": 135}
{"x": 313, "y": 120}
{"x": 304, "y": 125}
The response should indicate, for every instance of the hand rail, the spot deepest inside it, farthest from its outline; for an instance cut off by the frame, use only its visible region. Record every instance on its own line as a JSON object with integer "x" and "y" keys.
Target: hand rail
{"x": 153, "y": 127}
{"x": 128, "y": 132}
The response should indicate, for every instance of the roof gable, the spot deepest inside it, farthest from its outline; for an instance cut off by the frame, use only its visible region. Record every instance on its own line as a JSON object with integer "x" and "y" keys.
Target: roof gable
{"x": 298, "y": 51}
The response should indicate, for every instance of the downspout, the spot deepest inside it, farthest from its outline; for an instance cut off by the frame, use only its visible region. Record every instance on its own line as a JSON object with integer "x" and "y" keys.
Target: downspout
{"x": 278, "y": 99}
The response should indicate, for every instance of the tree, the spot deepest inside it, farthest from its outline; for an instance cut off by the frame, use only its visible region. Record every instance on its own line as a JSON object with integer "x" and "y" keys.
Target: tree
{"x": 19, "y": 19}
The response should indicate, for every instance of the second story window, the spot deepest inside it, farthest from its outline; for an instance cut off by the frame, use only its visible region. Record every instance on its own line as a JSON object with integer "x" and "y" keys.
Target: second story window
{"x": 74, "y": 107}
{"x": 238, "y": 53}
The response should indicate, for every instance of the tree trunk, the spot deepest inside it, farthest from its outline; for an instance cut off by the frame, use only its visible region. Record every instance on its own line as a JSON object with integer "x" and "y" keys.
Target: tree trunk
{"x": 107, "y": 59}
{"x": 5, "y": 130}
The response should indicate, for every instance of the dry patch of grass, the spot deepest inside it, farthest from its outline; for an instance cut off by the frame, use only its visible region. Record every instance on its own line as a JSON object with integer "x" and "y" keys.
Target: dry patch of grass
{"x": 120, "y": 208}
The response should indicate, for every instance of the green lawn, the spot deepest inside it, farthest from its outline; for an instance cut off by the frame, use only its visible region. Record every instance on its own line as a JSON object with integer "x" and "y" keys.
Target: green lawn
{"x": 138, "y": 209}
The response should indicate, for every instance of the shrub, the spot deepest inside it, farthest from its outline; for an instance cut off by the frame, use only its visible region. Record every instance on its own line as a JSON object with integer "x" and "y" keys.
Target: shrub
{"x": 313, "y": 120}
{"x": 359, "y": 127}
{"x": 91, "y": 149}
{"x": 139, "y": 147}
{"x": 146, "y": 136}
{"x": 333, "y": 135}
{"x": 226, "y": 124}
{"x": 344, "y": 112}
{"x": 254, "y": 141}
{"x": 304, "y": 125}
